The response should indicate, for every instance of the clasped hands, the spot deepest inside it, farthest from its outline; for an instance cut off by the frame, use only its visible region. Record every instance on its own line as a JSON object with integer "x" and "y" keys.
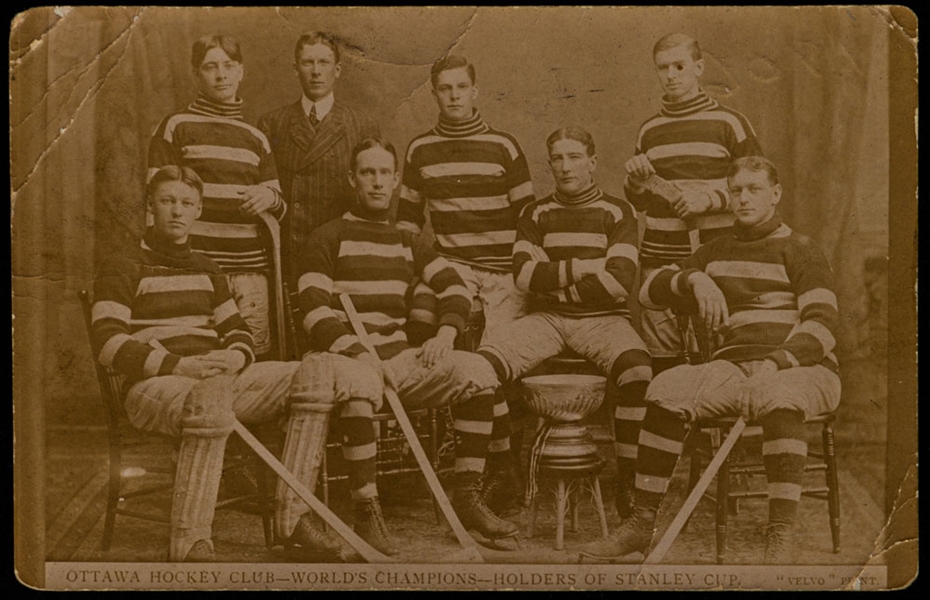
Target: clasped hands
{"x": 211, "y": 364}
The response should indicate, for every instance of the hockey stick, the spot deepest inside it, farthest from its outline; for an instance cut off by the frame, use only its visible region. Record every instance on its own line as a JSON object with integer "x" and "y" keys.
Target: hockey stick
{"x": 364, "y": 549}
{"x": 274, "y": 229}
{"x": 471, "y": 553}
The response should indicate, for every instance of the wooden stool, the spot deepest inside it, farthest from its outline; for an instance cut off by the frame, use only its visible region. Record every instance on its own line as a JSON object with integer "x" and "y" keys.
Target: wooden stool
{"x": 570, "y": 483}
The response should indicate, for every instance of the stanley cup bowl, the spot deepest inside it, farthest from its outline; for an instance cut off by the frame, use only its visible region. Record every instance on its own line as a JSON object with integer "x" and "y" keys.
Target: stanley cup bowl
{"x": 564, "y": 397}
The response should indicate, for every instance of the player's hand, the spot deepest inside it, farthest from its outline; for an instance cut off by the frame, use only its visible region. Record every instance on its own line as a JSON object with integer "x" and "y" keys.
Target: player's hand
{"x": 753, "y": 389}
{"x": 257, "y": 199}
{"x": 200, "y": 367}
{"x": 437, "y": 347}
{"x": 639, "y": 168}
{"x": 233, "y": 359}
{"x": 692, "y": 203}
{"x": 712, "y": 305}
{"x": 378, "y": 367}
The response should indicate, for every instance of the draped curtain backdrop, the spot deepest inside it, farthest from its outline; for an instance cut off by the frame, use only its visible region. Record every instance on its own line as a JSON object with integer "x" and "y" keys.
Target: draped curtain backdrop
{"x": 89, "y": 85}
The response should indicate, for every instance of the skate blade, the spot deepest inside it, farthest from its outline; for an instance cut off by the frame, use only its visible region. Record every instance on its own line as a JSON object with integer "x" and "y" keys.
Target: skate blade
{"x": 497, "y": 543}
{"x": 633, "y": 558}
{"x": 298, "y": 554}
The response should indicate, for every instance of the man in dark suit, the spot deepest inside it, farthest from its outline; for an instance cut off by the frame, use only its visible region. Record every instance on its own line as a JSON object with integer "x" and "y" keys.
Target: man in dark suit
{"x": 312, "y": 140}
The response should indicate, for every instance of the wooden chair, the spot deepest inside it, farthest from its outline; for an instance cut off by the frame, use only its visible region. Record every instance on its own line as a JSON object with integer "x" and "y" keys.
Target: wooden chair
{"x": 707, "y": 434}
{"x": 123, "y": 437}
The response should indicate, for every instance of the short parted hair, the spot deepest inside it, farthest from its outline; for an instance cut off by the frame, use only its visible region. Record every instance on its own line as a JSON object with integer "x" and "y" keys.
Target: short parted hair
{"x": 372, "y": 142}
{"x": 228, "y": 43}
{"x": 447, "y": 63}
{"x": 673, "y": 40}
{"x": 167, "y": 173}
{"x": 317, "y": 37}
{"x": 754, "y": 163}
{"x": 572, "y": 132}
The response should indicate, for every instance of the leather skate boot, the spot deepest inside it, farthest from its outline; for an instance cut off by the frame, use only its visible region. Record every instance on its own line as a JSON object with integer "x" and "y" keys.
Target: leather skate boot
{"x": 779, "y": 544}
{"x": 201, "y": 552}
{"x": 633, "y": 535}
{"x": 370, "y": 526}
{"x": 500, "y": 490}
{"x": 624, "y": 498}
{"x": 475, "y": 514}
{"x": 313, "y": 543}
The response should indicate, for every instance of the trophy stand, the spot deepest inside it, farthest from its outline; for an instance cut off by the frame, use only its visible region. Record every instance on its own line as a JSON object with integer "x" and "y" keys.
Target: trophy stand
{"x": 564, "y": 450}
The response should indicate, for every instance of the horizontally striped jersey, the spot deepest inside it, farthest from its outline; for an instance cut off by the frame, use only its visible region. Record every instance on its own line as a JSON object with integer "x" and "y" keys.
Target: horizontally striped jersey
{"x": 474, "y": 180}
{"x": 691, "y": 144}
{"x": 375, "y": 264}
{"x": 556, "y": 234}
{"x": 779, "y": 292}
{"x": 228, "y": 154}
{"x": 159, "y": 304}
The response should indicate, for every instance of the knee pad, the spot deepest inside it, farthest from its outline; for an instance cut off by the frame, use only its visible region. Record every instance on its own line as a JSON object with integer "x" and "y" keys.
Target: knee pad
{"x": 209, "y": 405}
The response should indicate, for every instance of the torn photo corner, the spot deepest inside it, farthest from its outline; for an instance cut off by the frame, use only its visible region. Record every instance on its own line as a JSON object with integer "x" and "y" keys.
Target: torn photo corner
{"x": 132, "y": 278}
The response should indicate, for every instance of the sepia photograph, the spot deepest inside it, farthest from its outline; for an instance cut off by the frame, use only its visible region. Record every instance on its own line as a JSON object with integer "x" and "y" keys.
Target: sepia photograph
{"x": 464, "y": 298}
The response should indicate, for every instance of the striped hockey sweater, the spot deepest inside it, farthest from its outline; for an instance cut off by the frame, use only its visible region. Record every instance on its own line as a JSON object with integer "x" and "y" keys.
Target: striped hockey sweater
{"x": 556, "y": 233}
{"x": 779, "y": 292}
{"x": 375, "y": 263}
{"x": 690, "y": 143}
{"x": 161, "y": 303}
{"x": 474, "y": 181}
{"x": 228, "y": 154}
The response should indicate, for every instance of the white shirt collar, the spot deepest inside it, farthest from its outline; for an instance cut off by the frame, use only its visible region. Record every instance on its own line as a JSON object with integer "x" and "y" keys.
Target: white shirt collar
{"x": 322, "y": 106}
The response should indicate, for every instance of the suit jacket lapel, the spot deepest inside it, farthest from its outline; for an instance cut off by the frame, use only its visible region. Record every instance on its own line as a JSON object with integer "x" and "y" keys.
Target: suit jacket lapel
{"x": 298, "y": 127}
{"x": 328, "y": 133}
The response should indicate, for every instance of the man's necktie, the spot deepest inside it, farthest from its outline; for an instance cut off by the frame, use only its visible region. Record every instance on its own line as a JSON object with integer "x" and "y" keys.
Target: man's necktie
{"x": 312, "y": 117}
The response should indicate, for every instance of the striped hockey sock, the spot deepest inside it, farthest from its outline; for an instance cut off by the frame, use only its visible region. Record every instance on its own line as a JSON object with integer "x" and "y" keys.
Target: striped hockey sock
{"x": 660, "y": 443}
{"x": 474, "y": 422}
{"x": 632, "y": 371}
{"x": 784, "y": 453}
{"x": 359, "y": 448}
{"x": 499, "y": 446}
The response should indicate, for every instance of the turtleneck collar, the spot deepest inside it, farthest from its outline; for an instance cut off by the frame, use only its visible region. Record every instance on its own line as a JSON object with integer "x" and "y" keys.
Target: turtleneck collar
{"x": 151, "y": 240}
{"x": 470, "y": 126}
{"x": 756, "y": 232}
{"x": 688, "y": 107}
{"x": 367, "y": 214}
{"x": 585, "y": 196}
{"x": 229, "y": 110}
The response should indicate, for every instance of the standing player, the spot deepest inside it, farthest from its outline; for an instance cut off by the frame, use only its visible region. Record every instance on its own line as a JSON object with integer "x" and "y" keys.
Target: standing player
{"x": 312, "y": 140}
{"x": 235, "y": 163}
{"x": 473, "y": 181}
{"x": 689, "y": 145}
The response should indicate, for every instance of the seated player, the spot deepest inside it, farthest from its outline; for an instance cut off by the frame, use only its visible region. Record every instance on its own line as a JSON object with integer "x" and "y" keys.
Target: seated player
{"x": 364, "y": 255}
{"x": 575, "y": 256}
{"x": 163, "y": 316}
{"x": 768, "y": 292}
